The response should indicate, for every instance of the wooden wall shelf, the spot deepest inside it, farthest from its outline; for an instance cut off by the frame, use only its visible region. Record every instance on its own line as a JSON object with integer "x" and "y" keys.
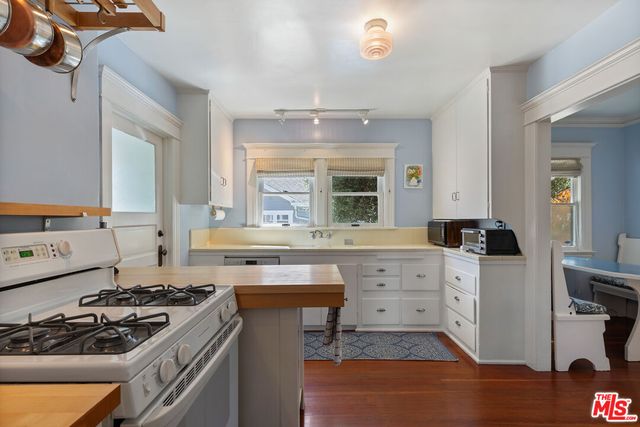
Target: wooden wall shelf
{"x": 30, "y": 209}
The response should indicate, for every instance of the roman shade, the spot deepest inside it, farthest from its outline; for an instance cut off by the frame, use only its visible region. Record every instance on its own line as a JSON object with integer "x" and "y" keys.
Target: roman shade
{"x": 284, "y": 167}
{"x": 353, "y": 166}
{"x": 566, "y": 167}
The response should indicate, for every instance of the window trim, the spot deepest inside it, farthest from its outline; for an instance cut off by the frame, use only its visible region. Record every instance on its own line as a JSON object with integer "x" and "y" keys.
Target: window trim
{"x": 320, "y": 152}
{"x": 584, "y": 232}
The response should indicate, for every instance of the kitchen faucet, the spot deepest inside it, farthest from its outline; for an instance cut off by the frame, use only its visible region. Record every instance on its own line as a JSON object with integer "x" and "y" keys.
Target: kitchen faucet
{"x": 315, "y": 233}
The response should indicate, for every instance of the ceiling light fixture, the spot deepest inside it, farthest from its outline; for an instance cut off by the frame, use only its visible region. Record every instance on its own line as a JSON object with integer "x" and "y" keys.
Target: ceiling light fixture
{"x": 363, "y": 117}
{"x": 376, "y": 43}
{"x": 315, "y": 113}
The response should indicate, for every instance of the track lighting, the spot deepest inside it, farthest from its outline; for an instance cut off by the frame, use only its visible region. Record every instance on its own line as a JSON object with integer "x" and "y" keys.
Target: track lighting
{"x": 315, "y": 113}
{"x": 363, "y": 117}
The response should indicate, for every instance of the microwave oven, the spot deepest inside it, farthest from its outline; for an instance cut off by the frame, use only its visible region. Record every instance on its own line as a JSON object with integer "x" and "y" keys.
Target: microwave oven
{"x": 447, "y": 232}
{"x": 489, "y": 241}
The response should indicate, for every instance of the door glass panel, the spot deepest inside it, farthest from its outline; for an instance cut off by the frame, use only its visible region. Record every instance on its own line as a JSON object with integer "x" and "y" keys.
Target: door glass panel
{"x": 133, "y": 173}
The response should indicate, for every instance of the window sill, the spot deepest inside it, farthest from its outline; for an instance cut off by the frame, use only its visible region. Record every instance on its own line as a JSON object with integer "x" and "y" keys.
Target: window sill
{"x": 337, "y": 228}
{"x": 578, "y": 252}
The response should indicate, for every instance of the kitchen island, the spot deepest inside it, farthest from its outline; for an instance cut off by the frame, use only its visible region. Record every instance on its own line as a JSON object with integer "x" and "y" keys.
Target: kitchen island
{"x": 270, "y": 298}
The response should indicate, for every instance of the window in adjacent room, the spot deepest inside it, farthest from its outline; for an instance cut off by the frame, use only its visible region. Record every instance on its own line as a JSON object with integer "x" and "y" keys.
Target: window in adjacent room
{"x": 285, "y": 189}
{"x": 571, "y": 196}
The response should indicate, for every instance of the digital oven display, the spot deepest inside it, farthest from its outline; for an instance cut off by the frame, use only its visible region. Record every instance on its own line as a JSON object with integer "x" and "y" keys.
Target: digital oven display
{"x": 26, "y": 253}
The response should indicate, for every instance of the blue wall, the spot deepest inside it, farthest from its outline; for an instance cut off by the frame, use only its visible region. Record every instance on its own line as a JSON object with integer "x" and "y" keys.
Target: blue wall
{"x": 615, "y": 178}
{"x": 616, "y": 27}
{"x": 413, "y": 206}
{"x": 50, "y": 146}
{"x": 632, "y": 179}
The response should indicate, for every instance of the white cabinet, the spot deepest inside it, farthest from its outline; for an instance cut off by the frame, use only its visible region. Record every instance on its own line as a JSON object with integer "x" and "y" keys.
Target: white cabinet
{"x": 484, "y": 299}
{"x": 206, "y": 151}
{"x": 478, "y": 150}
{"x": 380, "y": 311}
{"x": 420, "y": 311}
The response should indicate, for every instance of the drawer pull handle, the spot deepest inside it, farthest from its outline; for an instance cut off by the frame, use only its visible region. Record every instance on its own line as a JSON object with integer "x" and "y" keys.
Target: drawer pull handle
{"x": 457, "y": 299}
{"x": 421, "y": 276}
{"x": 381, "y": 285}
{"x": 381, "y": 270}
{"x": 421, "y": 310}
{"x": 458, "y": 324}
{"x": 381, "y": 310}
{"x": 458, "y": 278}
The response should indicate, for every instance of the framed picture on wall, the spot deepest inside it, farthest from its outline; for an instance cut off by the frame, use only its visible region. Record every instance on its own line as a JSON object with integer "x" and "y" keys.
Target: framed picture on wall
{"x": 413, "y": 176}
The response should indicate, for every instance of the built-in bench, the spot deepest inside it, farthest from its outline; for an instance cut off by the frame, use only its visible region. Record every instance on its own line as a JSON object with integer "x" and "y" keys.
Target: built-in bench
{"x": 625, "y": 300}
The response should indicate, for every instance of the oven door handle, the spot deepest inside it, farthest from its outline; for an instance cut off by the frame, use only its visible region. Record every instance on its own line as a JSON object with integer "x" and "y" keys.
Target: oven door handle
{"x": 164, "y": 416}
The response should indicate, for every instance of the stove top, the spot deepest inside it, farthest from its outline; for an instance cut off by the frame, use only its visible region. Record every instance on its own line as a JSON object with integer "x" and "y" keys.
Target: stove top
{"x": 79, "y": 335}
{"x": 153, "y": 295}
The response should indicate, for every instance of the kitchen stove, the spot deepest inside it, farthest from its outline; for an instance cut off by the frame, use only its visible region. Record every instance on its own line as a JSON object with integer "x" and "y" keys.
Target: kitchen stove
{"x": 64, "y": 320}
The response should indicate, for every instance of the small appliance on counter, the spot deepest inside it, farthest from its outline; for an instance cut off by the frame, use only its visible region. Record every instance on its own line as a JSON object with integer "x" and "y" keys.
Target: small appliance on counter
{"x": 490, "y": 241}
{"x": 448, "y": 232}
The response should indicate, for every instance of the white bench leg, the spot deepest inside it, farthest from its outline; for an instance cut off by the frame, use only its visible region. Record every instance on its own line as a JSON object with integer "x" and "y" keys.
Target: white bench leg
{"x": 632, "y": 347}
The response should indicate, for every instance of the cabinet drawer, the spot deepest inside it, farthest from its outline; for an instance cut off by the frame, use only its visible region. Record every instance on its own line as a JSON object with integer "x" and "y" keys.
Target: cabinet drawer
{"x": 380, "y": 311}
{"x": 460, "y": 279}
{"x": 462, "y": 328}
{"x": 462, "y": 303}
{"x": 421, "y": 311}
{"x": 420, "y": 277}
{"x": 380, "y": 283}
{"x": 381, "y": 269}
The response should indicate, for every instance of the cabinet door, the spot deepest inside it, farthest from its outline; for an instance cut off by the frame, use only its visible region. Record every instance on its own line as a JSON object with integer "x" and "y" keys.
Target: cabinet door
{"x": 472, "y": 123}
{"x": 444, "y": 164}
{"x": 349, "y": 313}
{"x": 221, "y": 151}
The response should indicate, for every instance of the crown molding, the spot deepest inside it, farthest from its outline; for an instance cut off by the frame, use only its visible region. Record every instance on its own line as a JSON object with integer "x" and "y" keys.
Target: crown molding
{"x": 580, "y": 90}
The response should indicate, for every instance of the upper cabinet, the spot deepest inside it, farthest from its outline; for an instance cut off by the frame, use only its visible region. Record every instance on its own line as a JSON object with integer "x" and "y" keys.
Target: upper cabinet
{"x": 478, "y": 150}
{"x": 206, "y": 151}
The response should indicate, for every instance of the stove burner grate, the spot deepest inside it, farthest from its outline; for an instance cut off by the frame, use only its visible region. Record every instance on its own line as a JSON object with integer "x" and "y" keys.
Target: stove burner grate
{"x": 156, "y": 295}
{"x": 82, "y": 334}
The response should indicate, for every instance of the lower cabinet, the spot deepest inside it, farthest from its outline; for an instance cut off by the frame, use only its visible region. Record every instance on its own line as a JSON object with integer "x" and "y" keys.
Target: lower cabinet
{"x": 380, "y": 311}
{"x": 421, "y": 311}
{"x": 484, "y": 301}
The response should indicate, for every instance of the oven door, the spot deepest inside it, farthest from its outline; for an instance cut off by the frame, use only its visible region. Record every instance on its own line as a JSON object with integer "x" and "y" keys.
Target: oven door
{"x": 472, "y": 240}
{"x": 205, "y": 393}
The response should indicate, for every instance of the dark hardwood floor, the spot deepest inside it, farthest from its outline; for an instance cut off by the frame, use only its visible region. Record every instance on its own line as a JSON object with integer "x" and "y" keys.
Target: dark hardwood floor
{"x": 413, "y": 393}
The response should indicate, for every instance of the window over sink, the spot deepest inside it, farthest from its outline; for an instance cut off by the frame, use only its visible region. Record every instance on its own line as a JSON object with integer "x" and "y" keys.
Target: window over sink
{"x": 340, "y": 185}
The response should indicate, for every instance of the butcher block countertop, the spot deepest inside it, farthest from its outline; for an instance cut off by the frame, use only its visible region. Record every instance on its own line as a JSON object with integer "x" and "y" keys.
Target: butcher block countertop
{"x": 256, "y": 286}
{"x": 53, "y": 405}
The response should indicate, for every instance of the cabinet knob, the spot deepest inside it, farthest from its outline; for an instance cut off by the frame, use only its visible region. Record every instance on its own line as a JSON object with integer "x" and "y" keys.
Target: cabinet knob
{"x": 457, "y": 299}
{"x": 421, "y": 276}
{"x": 381, "y": 310}
{"x": 421, "y": 310}
{"x": 458, "y": 324}
{"x": 381, "y": 270}
{"x": 453, "y": 197}
{"x": 381, "y": 285}
{"x": 346, "y": 299}
{"x": 458, "y": 278}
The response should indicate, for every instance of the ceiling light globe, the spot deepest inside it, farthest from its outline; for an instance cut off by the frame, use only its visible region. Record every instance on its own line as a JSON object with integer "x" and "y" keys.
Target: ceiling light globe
{"x": 376, "y": 43}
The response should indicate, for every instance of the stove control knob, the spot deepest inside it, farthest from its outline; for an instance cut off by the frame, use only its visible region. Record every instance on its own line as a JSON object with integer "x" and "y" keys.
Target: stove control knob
{"x": 64, "y": 248}
{"x": 225, "y": 314}
{"x": 167, "y": 370}
{"x": 232, "y": 306}
{"x": 185, "y": 356}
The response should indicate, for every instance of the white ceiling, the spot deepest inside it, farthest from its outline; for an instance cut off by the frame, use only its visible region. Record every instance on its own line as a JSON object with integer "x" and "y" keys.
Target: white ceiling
{"x": 259, "y": 55}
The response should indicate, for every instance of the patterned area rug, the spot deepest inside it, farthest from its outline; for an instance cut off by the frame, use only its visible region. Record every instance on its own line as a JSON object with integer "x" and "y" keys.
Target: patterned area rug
{"x": 379, "y": 346}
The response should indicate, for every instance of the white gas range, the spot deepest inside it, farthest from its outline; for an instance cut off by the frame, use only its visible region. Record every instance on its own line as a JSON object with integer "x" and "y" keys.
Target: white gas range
{"x": 172, "y": 349}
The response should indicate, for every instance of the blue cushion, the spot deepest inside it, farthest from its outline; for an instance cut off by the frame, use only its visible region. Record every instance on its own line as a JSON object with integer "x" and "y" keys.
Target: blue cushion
{"x": 610, "y": 281}
{"x": 587, "y": 307}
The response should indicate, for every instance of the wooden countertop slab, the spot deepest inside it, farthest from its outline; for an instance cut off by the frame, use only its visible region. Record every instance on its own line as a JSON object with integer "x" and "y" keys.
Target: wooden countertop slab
{"x": 256, "y": 286}
{"x": 53, "y": 405}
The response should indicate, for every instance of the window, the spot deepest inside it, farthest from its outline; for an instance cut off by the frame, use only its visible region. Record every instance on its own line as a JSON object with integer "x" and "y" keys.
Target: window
{"x": 570, "y": 190}
{"x": 355, "y": 200}
{"x": 320, "y": 185}
{"x": 564, "y": 209}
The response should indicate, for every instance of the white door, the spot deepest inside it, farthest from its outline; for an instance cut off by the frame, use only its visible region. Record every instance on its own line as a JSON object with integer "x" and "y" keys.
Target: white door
{"x": 444, "y": 164}
{"x": 136, "y": 193}
{"x": 473, "y": 152}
